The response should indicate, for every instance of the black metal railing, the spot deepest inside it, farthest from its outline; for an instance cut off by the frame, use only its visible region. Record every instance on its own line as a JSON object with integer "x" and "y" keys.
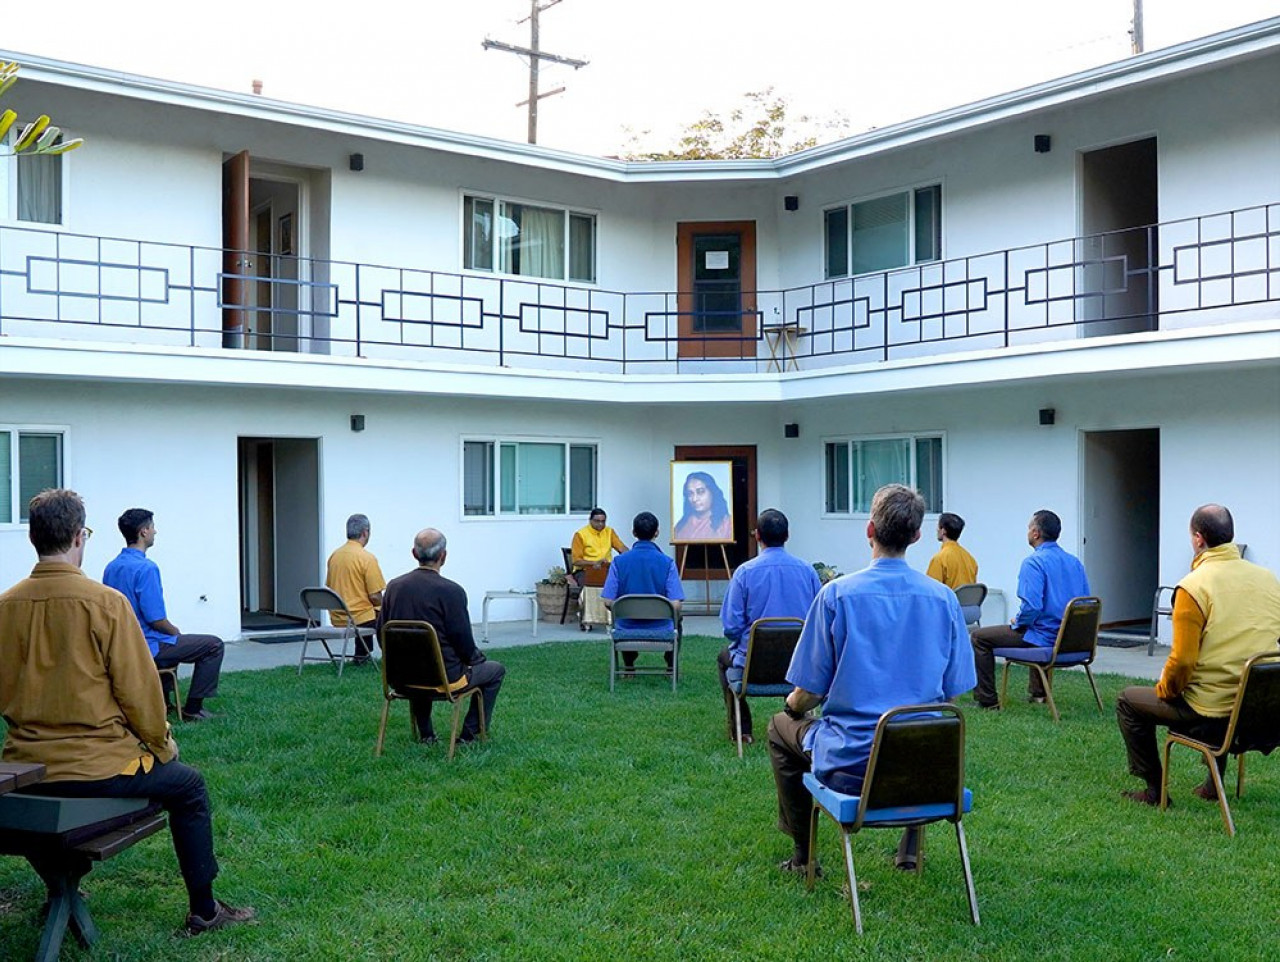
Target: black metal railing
{"x": 1207, "y": 269}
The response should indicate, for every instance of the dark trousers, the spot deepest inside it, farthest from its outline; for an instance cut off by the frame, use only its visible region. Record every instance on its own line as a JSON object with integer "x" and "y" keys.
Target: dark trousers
{"x": 987, "y": 640}
{"x": 204, "y": 652}
{"x": 180, "y": 790}
{"x": 365, "y": 643}
{"x": 1139, "y": 711}
{"x": 487, "y": 676}
{"x": 795, "y": 805}
{"x": 724, "y": 661}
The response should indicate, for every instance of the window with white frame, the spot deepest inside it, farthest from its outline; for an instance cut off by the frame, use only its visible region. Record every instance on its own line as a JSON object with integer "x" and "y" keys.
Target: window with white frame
{"x": 857, "y": 467}
{"x": 501, "y": 477}
{"x": 31, "y": 186}
{"x": 882, "y": 233}
{"x": 512, "y": 237}
{"x": 30, "y": 461}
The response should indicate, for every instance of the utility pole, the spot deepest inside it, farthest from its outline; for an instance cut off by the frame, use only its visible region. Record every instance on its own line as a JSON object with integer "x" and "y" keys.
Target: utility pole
{"x": 536, "y": 56}
{"x": 1136, "y": 31}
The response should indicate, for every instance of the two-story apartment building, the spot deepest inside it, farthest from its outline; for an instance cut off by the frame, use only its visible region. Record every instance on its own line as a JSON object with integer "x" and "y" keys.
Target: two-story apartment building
{"x": 256, "y": 318}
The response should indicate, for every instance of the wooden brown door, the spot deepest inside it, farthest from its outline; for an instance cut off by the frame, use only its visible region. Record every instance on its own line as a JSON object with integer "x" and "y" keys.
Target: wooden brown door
{"x": 704, "y": 561}
{"x": 716, "y": 277}
{"x": 237, "y": 261}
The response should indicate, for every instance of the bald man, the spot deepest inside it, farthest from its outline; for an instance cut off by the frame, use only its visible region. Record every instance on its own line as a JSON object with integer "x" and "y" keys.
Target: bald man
{"x": 426, "y": 595}
{"x": 1224, "y": 611}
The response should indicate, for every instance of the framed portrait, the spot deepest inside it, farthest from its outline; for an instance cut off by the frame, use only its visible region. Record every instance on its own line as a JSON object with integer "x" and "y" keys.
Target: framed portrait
{"x": 286, "y": 234}
{"x": 701, "y": 502}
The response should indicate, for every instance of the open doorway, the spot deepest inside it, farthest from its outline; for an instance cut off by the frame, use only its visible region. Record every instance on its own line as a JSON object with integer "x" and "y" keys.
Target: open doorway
{"x": 1121, "y": 529}
{"x": 279, "y": 488}
{"x": 1119, "y": 208}
{"x": 267, "y": 283}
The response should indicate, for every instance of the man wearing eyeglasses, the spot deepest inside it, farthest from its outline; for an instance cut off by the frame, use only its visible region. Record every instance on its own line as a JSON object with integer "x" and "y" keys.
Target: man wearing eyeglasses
{"x": 81, "y": 697}
{"x": 137, "y": 577}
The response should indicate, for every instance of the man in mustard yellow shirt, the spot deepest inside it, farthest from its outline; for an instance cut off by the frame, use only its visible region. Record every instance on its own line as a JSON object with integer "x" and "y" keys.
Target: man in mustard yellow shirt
{"x": 81, "y": 696}
{"x": 1224, "y": 611}
{"x": 354, "y": 574}
{"x": 952, "y": 565}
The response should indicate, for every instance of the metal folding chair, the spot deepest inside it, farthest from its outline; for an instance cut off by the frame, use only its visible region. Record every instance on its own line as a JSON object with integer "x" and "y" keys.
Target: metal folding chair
{"x": 319, "y": 600}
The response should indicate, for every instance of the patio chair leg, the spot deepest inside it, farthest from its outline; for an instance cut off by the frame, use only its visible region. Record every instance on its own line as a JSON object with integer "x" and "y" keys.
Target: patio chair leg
{"x": 737, "y": 722}
{"x": 812, "y": 869}
{"x": 1240, "y": 776}
{"x": 302, "y": 659}
{"x": 453, "y": 727}
{"x": 382, "y": 727}
{"x": 1222, "y": 794}
{"x": 853, "y": 879}
{"x": 968, "y": 874}
{"x": 1046, "y": 679}
{"x": 1093, "y": 685}
{"x": 1004, "y": 687}
{"x": 1164, "y": 777}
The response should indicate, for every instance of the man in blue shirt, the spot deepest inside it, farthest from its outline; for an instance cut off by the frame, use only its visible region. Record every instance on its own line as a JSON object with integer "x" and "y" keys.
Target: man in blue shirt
{"x": 1048, "y": 579}
{"x": 877, "y": 639}
{"x": 644, "y": 570}
{"x": 773, "y": 584}
{"x": 137, "y": 577}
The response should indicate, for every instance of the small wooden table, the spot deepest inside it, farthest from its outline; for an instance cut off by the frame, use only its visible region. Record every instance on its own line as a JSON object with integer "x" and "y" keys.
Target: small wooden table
{"x": 783, "y": 339}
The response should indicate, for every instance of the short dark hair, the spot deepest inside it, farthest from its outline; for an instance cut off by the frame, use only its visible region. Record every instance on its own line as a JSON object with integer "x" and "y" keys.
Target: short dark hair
{"x": 773, "y": 528}
{"x": 896, "y": 512}
{"x": 1048, "y": 524}
{"x": 597, "y": 513}
{"x": 1214, "y": 523}
{"x": 645, "y": 526}
{"x": 133, "y": 521}
{"x": 951, "y": 525}
{"x": 55, "y": 516}
{"x": 357, "y": 525}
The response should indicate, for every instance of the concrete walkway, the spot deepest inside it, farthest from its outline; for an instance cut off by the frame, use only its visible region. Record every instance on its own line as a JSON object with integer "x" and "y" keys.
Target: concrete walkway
{"x": 245, "y": 655}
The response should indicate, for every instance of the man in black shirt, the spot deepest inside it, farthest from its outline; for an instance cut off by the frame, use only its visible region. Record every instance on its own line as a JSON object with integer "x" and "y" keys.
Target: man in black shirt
{"x": 425, "y": 595}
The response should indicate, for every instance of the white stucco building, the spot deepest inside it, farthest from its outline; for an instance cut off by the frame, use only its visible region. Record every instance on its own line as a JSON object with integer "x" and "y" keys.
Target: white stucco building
{"x": 1065, "y": 297}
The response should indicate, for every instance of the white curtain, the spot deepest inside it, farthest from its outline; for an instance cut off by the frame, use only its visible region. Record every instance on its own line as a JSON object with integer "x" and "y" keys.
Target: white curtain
{"x": 40, "y": 189}
{"x": 539, "y": 243}
{"x": 881, "y": 463}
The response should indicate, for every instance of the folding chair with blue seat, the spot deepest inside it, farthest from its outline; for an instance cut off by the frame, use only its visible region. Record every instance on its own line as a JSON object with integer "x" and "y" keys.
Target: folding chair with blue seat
{"x": 971, "y": 598}
{"x": 1075, "y": 647}
{"x": 915, "y": 776}
{"x": 770, "y": 645}
{"x": 657, "y": 638}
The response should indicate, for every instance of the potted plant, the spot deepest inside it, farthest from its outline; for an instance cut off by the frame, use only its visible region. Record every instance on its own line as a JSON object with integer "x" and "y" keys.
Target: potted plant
{"x": 825, "y": 571}
{"x": 551, "y": 593}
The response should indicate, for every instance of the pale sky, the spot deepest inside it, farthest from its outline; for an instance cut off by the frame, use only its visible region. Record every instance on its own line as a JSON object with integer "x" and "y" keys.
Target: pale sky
{"x": 654, "y": 64}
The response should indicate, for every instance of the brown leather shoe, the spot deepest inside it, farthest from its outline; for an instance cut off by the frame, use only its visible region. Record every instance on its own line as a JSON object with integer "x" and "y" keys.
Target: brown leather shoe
{"x": 226, "y": 915}
{"x": 1206, "y": 792}
{"x": 1146, "y": 796}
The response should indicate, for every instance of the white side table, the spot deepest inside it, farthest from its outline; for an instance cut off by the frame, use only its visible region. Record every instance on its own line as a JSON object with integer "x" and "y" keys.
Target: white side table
{"x": 529, "y": 596}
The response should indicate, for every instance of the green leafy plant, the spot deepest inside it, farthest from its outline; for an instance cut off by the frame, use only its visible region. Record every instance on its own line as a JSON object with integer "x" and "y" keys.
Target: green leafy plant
{"x": 555, "y": 576}
{"x": 38, "y": 136}
{"x": 825, "y": 571}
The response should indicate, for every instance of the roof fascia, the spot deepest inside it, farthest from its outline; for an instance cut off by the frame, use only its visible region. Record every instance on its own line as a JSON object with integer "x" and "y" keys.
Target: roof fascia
{"x": 1239, "y": 43}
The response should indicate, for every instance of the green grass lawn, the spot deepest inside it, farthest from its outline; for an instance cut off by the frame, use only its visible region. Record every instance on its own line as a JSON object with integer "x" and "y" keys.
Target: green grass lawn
{"x": 623, "y": 826}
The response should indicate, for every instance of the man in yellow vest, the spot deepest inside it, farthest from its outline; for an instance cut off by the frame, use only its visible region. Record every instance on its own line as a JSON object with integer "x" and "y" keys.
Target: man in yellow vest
{"x": 1224, "y": 611}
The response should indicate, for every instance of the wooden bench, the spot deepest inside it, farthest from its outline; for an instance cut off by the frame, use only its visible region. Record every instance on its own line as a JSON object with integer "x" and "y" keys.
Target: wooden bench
{"x": 62, "y": 838}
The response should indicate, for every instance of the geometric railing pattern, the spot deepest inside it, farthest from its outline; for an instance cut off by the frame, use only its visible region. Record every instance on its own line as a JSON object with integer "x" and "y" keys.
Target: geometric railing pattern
{"x": 58, "y": 284}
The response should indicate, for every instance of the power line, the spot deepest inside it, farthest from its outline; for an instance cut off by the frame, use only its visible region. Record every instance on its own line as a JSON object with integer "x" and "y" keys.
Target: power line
{"x": 536, "y": 55}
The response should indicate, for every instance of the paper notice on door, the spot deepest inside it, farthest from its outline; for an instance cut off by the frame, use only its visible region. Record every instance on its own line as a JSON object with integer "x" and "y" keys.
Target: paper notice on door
{"x": 717, "y": 260}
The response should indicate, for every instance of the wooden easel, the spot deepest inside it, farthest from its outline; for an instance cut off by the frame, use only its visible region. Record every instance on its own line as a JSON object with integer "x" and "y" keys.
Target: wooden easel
{"x": 706, "y": 566}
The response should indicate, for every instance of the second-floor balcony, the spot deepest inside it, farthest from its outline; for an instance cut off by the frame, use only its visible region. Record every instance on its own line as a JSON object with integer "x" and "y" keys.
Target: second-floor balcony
{"x": 1211, "y": 269}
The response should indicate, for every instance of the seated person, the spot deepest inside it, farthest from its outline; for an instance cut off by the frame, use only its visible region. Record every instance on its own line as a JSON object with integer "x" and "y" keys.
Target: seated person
{"x": 353, "y": 573}
{"x": 424, "y": 594}
{"x": 877, "y": 639}
{"x": 1224, "y": 611}
{"x": 80, "y": 694}
{"x": 137, "y": 577}
{"x": 590, "y": 553}
{"x": 774, "y": 584}
{"x": 644, "y": 570}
